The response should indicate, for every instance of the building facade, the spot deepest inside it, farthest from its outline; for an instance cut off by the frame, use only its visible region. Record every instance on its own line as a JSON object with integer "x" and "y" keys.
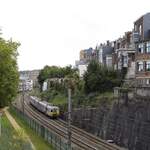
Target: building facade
{"x": 87, "y": 55}
{"x": 142, "y": 42}
{"x": 104, "y": 54}
{"x": 30, "y": 75}
{"x": 124, "y": 50}
{"x": 131, "y": 52}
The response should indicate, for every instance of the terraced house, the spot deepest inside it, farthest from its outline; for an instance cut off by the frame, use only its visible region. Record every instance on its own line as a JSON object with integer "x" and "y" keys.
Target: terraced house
{"x": 124, "y": 55}
{"x": 130, "y": 52}
{"x": 141, "y": 36}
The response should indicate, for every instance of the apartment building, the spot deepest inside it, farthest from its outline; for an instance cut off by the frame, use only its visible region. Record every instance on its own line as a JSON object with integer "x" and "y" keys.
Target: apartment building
{"x": 82, "y": 67}
{"x": 104, "y": 54}
{"x": 123, "y": 57}
{"x": 130, "y": 52}
{"x": 25, "y": 84}
{"x": 142, "y": 57}
{"x": 31, "y": 75}
{"x": 87, "y": 55}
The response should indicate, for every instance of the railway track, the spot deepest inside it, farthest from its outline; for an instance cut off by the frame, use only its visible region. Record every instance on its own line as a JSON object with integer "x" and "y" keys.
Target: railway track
{"x": 80, "y": 138}
{"x": 90, "y": 136}
{"x": 77, "y": 143}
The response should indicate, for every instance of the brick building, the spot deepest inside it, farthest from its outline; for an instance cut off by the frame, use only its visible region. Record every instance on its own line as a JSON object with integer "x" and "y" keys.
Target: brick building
{"x": 124, "y": 54}
{"x": 142, "y": 42}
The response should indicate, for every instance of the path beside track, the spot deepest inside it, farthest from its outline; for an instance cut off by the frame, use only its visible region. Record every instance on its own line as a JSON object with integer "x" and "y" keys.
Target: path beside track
{"x": 16, "y": 126}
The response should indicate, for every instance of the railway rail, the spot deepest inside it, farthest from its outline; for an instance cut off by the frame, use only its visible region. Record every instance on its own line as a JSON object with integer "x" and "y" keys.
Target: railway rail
{"x": 81, "y": 140}
{"x": 77, "y": 143}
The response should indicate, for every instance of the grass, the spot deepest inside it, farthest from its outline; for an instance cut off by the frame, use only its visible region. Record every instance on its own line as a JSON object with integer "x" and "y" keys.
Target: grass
{"x": 10, "y": 139}
{"x": 35, "y": 92}
{"x": 92, "y": 99}
{"x": 89, "y": 100}
{"x": 38, "y": 141}
{"x": 95, "y": 99}
{"x": 59, "y": 100}
{"x": 107, "y": 95}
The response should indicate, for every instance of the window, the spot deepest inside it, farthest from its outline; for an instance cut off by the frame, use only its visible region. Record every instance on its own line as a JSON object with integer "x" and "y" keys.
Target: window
{"x": 135, "y": 27}
{"x": 147, "y": 81}
{"x": 125, "y": 61}
{"x": 140, "y": 66}
{"x": 140, "y": 30}
{"x": 147, "y": 65}
{"x": 101, "y": 55}
{"x": 141, "y": 48}
{"x": 148, "y": 47}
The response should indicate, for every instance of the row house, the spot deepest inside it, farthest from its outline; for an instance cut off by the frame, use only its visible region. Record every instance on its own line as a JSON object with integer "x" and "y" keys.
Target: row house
{"x": 130, "y": 52}
{"x": 124, "y": 54}
{"x": 104, "y": 54}
{"x": 82, "y": 67}
{"x": 86, "y": 56}
{"x": 142, "y": 43}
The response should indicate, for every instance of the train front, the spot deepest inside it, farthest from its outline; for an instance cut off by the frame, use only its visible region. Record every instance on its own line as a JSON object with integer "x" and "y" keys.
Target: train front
{"x": 53, "y": 111}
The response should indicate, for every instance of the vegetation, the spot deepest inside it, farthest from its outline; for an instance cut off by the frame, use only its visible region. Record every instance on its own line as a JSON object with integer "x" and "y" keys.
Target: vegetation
{"x": 54, "y": 72}
{"x": 58, "y": 80}
{"x": 10, "y": 139}
{"x": 38, "y": 141}
{"x": 99, "y": 78}
{"x": 98, "y": 81}
{"x": 9, "y": 76}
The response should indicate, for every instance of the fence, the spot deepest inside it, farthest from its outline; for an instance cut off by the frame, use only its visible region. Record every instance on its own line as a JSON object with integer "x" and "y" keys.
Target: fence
{"x": 10, "y": 139}
{"x": 57, "y": 142}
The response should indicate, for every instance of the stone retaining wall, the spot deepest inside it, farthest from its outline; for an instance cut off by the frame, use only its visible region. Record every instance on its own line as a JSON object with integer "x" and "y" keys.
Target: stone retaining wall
{"x": 128, "y": 124}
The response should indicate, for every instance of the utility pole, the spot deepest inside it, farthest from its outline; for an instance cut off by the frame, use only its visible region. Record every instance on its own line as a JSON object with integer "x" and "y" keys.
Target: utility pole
{"x": 0, "y": 124}
{"x": 23, "y": 92}
{"x": 69, "y": 119}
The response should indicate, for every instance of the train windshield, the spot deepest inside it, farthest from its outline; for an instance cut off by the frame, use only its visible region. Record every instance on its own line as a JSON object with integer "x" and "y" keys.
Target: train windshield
{"x": 55, "y": 109}
{"x": 52, "y": 109}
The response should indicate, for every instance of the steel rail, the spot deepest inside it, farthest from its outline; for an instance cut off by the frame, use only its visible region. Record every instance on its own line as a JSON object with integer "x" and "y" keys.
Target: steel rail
{"x": 58, "y": 131}
{"x": 78, "y": 135}
{"x": 90, "y": 136}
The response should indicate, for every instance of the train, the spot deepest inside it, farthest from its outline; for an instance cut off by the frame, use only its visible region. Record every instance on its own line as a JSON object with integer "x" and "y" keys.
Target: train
{"x": 45, "y": 107}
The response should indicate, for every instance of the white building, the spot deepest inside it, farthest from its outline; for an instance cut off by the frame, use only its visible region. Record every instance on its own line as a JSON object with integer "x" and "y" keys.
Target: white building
{"x": 109, "y": 60}
{"x": 25, "y": 84}
{"x": 82, "y": 69}
{"x": 44, "y": 87}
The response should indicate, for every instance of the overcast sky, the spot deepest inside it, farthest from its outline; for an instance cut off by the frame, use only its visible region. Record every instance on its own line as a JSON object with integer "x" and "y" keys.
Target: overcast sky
{"x": 52, "y": 32}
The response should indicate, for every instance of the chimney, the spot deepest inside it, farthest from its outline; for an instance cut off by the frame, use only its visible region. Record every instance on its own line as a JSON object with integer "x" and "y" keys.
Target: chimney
{"x": 108, "y": 43}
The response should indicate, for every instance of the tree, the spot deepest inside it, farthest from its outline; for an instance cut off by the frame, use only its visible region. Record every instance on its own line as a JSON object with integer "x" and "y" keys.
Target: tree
{"x": 49, "y": 72}
{"x": 9, "y": 76}
{"x": 99, "y": 78}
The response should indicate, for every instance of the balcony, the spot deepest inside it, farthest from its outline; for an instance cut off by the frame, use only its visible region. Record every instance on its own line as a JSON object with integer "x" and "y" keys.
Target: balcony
{"x": 142, "y": 56}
